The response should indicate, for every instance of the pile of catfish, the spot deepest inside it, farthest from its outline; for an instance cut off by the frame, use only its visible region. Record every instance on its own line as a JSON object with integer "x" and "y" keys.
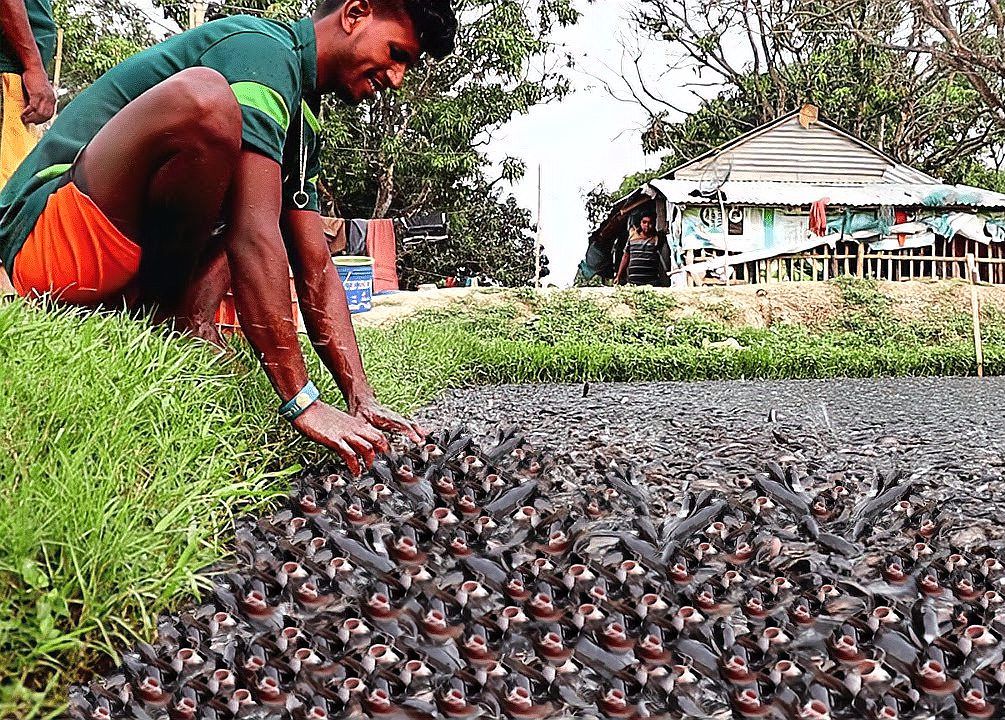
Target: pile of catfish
{"x": 457, "y": 581}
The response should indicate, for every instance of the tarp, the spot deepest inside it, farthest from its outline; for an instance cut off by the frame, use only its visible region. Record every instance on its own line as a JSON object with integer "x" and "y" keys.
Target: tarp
{"x": 967, "y": 225}
{"x": 772, "y": 193}
{"x": 893, "y": 242}
{"x": 701, "y": 228}
{"x": 380, "y": 245}
{"x": 704, "y": 266}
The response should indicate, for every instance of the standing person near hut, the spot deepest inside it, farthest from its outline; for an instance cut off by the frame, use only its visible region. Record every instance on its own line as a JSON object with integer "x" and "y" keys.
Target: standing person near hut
{"x": 641, "y": 260}
{"x": 119, "y": 201}
{"x": 27, "y": 42}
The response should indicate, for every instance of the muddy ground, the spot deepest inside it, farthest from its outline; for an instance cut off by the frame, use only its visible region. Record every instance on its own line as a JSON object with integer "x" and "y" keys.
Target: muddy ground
{"x": 948, "y": 433}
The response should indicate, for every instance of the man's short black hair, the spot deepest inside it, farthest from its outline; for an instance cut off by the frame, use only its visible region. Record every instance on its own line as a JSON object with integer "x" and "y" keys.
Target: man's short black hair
{"x": 434, "y": 20}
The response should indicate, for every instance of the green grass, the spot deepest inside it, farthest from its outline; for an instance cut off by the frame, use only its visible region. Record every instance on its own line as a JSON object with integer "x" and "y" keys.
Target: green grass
{"x": 122, "y": 459}
{"x": 124, "y": 453}
{"x": 563, "y": 338}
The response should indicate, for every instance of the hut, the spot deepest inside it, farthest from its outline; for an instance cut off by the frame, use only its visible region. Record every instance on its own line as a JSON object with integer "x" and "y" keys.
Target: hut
{"x": 802, "y": 199}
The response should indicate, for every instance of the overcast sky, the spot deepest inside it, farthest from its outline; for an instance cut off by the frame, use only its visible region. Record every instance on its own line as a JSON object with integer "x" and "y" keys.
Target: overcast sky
{"x": 585, "y": 138}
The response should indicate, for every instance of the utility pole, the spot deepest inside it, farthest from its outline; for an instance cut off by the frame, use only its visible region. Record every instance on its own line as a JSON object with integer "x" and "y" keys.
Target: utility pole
{"x": 537, "y": 233}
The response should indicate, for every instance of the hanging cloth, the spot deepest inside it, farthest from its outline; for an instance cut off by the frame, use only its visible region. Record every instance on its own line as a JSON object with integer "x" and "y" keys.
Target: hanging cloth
{"x": 356, "y": 235}
{"x": 334, "y": 229}
{"x": 380, "y": 245}
{"x": 818, "y": 217}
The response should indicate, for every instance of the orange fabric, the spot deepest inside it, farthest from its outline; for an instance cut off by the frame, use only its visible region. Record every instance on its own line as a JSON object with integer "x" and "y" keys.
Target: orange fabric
{"x": 16, "y": 138}
{"x": 380, "y": 245}
{"x": 74, "y": 252}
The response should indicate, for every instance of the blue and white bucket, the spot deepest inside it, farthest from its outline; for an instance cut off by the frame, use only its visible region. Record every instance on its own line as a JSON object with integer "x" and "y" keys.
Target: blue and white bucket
{"x": 356, "y": 272}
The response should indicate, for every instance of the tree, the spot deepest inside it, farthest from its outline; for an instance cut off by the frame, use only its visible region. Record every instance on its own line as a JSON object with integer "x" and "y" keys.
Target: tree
{"x": 419, "y": 149}
{"x": 423, "y": 148}
{"x": 97, "y": 35}
{"x": 966, "y": 37}
{"x": 768, "y": 57}
{"x": 490, "y": 239}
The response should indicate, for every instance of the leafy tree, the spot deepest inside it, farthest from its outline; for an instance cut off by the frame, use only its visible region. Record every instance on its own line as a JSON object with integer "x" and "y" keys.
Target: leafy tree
{"x": 966, "y": 37}
{"x": 423, "y": 148}
{"x": 768, "y": 57}
{"x": 97, "y": 35}
{"x": 490, "y": 239}
{"x": 598, "y": 203}
{"x": 419, "y": 149}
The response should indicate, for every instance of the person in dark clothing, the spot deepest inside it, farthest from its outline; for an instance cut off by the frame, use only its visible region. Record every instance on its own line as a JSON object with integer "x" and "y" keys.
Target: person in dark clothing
{"x": 641, "y": 261}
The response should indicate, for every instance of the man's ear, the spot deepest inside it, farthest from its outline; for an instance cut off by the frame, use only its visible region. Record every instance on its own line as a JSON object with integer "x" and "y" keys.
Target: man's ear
{"x": 354, "y": 12}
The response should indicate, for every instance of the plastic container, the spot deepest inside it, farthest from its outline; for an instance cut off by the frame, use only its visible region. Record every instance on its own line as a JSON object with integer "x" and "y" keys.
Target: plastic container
{"x": 356, "y": 272}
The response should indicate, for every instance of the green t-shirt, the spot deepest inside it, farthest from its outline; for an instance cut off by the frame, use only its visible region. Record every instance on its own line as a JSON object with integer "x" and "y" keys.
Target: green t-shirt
{"x": 43, "y": 27}
{"x": 271, "y": 67}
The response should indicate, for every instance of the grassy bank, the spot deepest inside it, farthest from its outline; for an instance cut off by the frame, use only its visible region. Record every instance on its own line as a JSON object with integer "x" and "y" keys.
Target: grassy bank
{"x": 641, "y": 335}
{"x": 123, "y": 454}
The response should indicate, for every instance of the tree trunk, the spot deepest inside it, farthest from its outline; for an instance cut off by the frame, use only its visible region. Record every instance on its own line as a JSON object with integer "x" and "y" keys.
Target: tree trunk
{"x": 385, "y": 192}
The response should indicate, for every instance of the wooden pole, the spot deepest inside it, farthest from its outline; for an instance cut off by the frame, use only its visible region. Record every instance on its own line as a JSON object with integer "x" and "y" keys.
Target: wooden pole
{"x": 724, "y": 226}
{"x": 860, "y": 269}
{"x": 537, "y": 233}
{"x": 975, "y": 310}
{"x": 57, "y": 72}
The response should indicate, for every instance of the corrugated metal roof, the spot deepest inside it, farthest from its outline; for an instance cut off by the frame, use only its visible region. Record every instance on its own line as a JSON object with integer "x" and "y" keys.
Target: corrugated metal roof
{"x": 791, "y": 153}
{"x": 823, "y": 152}
{"x": 795, "y": 194}
{"x": 907, "y": 174}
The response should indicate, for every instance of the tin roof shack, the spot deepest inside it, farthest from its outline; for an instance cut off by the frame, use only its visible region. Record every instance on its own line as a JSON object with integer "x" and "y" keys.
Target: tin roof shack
{"x": 801, "y": 199}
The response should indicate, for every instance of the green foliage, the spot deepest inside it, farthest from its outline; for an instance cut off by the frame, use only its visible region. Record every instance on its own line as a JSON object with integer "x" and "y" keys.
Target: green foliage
{"x": 921, "y": 111}
{"x": 97, "y": 35}
{"x": 567, "y": 338}
{"x": 422, "y": 148}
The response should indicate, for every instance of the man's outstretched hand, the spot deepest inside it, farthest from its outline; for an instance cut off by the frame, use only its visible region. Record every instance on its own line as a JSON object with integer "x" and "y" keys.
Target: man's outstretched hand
{"x": 41, "y": 101}
{"x": 380, "y": 417}
{"x": 351, "y": 437}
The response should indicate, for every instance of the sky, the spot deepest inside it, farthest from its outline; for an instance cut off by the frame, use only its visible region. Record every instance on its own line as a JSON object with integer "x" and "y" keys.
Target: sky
{"x": 586, "y": 138}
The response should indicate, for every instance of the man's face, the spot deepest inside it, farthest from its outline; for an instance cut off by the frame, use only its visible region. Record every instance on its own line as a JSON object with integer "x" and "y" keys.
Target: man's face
{"x": 382, "y": 47}
{"x": 646, "y": 225}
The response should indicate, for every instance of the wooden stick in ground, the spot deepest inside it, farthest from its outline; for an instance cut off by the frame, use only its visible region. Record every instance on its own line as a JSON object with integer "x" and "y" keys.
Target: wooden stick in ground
{"x": 59, "y": 59}
{"x": 975, "y": 310}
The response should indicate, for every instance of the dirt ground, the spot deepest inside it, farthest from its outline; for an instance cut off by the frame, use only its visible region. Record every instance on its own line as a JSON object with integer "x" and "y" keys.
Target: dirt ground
{"x": 804, "y": 303}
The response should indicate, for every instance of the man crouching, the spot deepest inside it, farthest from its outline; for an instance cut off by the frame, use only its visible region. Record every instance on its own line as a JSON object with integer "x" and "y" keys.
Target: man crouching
{"x": 119, "y": 200}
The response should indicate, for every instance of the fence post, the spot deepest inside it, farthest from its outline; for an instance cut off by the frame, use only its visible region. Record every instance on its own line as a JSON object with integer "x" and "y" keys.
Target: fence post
{"x": 860, "y": 260}
{"x": 975, "y": 310}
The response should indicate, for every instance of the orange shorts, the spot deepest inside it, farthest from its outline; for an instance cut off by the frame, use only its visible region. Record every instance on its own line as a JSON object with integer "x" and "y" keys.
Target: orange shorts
{"x": 75, "y": 253}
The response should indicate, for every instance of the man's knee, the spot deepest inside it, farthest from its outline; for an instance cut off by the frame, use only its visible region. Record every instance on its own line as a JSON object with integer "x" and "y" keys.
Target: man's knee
{"x": 211, "y": 111}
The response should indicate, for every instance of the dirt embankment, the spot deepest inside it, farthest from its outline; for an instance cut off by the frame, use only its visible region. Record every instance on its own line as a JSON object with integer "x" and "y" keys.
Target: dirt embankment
{"x": 804, "y": 303}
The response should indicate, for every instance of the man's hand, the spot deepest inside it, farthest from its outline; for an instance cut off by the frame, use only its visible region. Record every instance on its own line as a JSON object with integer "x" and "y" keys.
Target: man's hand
{"x": 380, "y": 417}
{"x": 41, "y": 101}
{"x": 346, "y": 435}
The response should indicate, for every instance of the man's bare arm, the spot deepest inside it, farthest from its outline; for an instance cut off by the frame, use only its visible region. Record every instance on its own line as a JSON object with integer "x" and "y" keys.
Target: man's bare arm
{"x": 329, "y": 324}
{"x": 41, "y": 101}
{"x": 260, "y": 277}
